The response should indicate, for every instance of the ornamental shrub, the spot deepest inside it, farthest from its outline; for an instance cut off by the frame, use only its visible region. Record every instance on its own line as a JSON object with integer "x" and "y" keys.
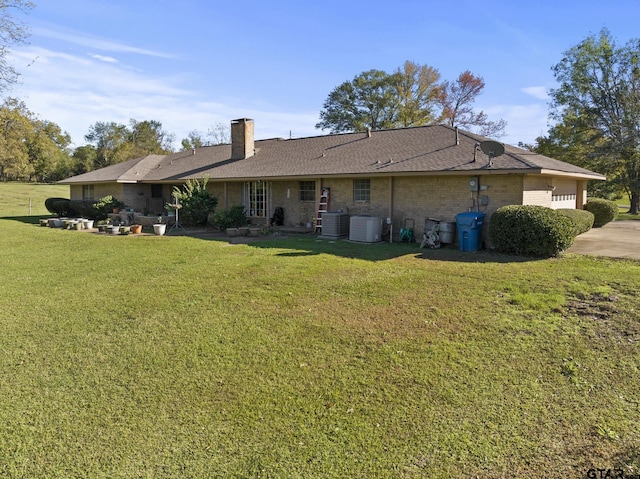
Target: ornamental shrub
{"x": 104, "y": 206}
{"x": 234, "y": 217}
{"x": 197, "y": 203}
{"x": 603, "y": 210}
{"x": 58, "y": 206}
{"x": 582, "y": 219}
{"x": 529, "y": 230}
{"x": 49, "y": 205}
{"x": 82, "y": 208}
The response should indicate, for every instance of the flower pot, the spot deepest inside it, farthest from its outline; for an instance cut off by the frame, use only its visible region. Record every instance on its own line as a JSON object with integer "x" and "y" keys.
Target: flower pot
{"x": 114, "y": 230}
{"x": 232, "y": 231}
{"x": 87, "y": 224}
{"x": 136, "y": 229}
{"x": 159, "y": 229}
{"x": 243, "y": 231}
{"x": 125, "y": 230}
{"x": 76, "y": 225}
{"x": 102, "y": 228}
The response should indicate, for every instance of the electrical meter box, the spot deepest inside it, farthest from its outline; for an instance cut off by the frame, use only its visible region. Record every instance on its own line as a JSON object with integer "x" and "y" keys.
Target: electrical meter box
{"x": 474, "y": 185}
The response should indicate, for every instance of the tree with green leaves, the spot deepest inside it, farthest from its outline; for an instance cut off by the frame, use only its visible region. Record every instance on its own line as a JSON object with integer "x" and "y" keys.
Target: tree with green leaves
{"x": 368, "y": 101}
{"x": 147, "y": 137}
{"x": 597, "y": 107}
{"x": 31, "y": 149}
{"x": 12, "y": 32}
{"x": 110, "y": 141}
{"x": 115, "y": 142}
{"x": 418, "y": 91}
{"x": 194, "y": 139}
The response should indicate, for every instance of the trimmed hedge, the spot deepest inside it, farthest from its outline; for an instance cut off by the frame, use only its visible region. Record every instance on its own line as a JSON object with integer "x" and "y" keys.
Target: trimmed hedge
{"x": 58, "y": 206}
{"x": 83, "y": 209}
{"x": 529, "y": 230}
{"x": 53, "y": 208}
{"x": 582, "y": 219}
{"x": 603, "y": 210}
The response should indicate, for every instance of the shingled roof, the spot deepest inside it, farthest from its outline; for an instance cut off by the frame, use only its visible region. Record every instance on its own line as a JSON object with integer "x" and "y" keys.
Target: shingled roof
{"x": 428, "y": 150}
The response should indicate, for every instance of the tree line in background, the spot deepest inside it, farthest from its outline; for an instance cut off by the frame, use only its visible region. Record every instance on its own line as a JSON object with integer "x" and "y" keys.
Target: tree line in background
{"x": 37, "y": 150}
{"x": 595, "y": 110}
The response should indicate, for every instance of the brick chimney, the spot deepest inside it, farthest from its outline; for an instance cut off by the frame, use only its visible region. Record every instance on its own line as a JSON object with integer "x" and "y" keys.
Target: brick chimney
{"x": 242, "y": 139}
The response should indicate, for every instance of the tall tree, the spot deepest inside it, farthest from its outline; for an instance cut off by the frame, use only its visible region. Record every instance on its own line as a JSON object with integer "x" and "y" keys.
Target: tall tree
{"x": 12, "y": 32}
{"x": 110, "y": 141}
{"x": 15, "y": 128}
{"x": 457, "y": 106}
{"x": 147, "y": 137}
{"x": 598, "y": 101}
{"x": 194, "y": 139}
{"x": 48, "y": 148}
{"x": 84, "y": 159}
{"x": 31, "y": 149}
{"x": 368, "y": 101}
{"x": 418, "y": 92}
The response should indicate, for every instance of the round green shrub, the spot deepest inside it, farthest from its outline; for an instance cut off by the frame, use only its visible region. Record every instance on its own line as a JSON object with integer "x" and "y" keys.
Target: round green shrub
{"x": 61, "y": 207}
{"x": 529, "y": 230}
{"x": 603, "y": 210}
{"x": 582, "y": 219}
{"x": 49, "y": 202}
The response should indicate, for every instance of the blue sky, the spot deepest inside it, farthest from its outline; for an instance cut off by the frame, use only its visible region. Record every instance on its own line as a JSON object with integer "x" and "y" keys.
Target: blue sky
{"x": 194, "y": 63}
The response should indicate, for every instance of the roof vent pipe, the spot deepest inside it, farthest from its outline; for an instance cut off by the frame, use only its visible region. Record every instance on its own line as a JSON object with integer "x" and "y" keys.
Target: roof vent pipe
{"x": 368, "y": 132}
{"x": 457, "y": 137}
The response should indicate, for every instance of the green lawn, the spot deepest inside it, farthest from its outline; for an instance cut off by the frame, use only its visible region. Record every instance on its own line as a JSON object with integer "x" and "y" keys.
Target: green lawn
{"x": 21, "y": 199}
{"x": 182, "y": 357}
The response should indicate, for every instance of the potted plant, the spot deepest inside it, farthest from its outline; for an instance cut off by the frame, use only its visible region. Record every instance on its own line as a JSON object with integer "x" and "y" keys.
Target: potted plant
{"x": 117, "y": 205}
{"x": 136, "y": 229}
{"x": 159, "y": 228}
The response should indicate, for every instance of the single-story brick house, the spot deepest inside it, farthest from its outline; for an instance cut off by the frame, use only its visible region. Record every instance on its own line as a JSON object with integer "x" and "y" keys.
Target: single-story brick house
{"x": 409, "y": 173}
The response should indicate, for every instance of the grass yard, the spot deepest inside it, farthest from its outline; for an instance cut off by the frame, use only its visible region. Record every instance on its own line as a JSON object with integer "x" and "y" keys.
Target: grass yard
{"x": 180, "y": 357}
{"x": 16, "y": 198}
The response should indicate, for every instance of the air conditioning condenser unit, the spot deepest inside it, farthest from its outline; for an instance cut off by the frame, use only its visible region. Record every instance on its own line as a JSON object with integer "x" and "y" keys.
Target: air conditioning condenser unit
{"x": 365, "y": 229}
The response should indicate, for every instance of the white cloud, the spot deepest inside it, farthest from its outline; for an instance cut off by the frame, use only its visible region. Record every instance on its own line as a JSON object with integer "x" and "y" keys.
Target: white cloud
{"x": 103, "y": 58}
{"x": 81, "y": 39}
{"x": 538, "y": 92}
{"x": 75, "y": 92}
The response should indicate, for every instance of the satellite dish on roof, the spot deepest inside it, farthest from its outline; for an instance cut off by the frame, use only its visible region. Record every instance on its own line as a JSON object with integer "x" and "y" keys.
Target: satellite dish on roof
{"x": 492, "y": 149}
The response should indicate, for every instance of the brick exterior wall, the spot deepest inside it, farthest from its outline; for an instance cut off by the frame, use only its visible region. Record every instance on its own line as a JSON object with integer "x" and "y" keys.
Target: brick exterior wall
{"x": 401, "y": 197}
{"x": 537, "y": 190}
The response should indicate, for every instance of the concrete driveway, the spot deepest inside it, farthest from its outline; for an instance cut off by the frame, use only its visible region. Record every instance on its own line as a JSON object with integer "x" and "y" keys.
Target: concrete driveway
{"x": 618, "y": 239}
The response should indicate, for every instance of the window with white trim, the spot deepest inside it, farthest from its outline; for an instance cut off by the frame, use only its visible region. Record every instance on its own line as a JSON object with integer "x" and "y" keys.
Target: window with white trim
{"x": 362, "y": 190}
{"x": 254, "y": 198}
